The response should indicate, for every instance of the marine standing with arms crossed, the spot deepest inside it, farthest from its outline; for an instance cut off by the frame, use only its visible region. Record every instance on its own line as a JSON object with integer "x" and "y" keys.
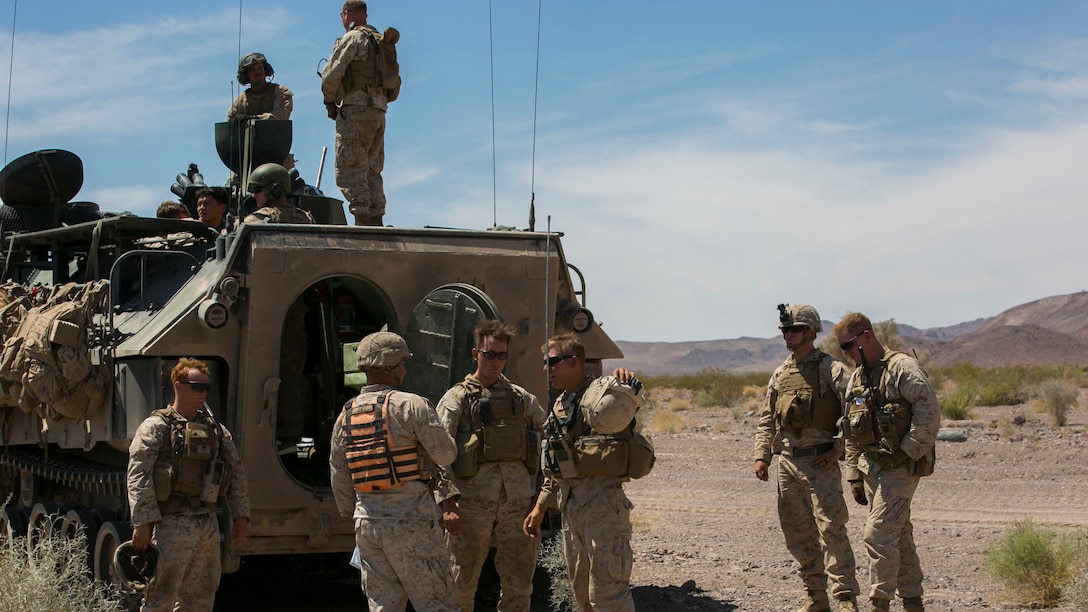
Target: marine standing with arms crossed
{"x": 799, "y": 422}
{"x": 596, "y": 511}
{"x": 497, "y": 425}
{"x": 174, "y": 509}
{"x": 360, "y": 80}
{"x": 891, "y": 429}
{"x": 382, "y": 444}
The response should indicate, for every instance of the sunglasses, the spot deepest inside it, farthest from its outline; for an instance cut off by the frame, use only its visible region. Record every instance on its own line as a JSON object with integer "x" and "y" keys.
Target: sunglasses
{"x": 555, "y": 359}
{"x": 852, "y": 342}
{"x": 199, "y": 387}
{"x": 493, "y": 355}
{"x": 256, "y": 190}
{"x": 796, "y": 329}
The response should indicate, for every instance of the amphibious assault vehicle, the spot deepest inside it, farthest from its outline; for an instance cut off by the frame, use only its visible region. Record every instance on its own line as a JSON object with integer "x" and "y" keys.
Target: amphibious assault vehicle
{"x": 98, "y": 308}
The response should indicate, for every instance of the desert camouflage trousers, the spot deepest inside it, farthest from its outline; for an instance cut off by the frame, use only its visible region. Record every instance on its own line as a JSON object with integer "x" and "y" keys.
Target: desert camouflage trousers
{"x": 187, "y": 574}
{"x": 597, "y": 545}
{"x": 889, "y": 534}
{"x": 811, "y": 509}
{"x": 360, "y": 159}
{"x": 404, "y": 560}
{"x": 515, "y": 554}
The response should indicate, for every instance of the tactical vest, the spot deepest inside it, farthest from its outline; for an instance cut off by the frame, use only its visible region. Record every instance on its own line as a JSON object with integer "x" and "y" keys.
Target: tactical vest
{"x": 799, "y": 401}
{"x": 573, "y": 448}
{"x": 192, "y": 473}
{"x": 375, "y": 464}
{"x": 379, "y": 69}
{"x": 259, "y": 104}
{"x": 871, "y": 421}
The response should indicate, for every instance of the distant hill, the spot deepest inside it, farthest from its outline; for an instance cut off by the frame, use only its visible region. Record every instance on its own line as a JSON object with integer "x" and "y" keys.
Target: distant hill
{"x": 1050, "y": 331}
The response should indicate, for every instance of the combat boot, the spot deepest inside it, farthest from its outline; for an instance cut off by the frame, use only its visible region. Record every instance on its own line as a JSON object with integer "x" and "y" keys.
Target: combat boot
{"x": 816, "y": 601}
{"x": 880, "y": 604}
{"x": 913, "y": 604}
{"x": 848, "y": 604}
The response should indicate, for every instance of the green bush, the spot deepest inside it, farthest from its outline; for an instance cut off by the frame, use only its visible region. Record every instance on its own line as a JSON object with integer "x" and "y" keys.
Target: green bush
{"x": 52, "y": 577}
{"x": 711, "y": 387}
{"x": 1056, "y": 397}
{"x": 957, "y": 405}
{"x": 1035, "y": 563}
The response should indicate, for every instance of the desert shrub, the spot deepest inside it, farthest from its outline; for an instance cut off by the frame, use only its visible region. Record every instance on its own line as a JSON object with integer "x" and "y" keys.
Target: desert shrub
{"x": 1075, "y": 593}
{"x": 666, "y": 420}
{"x": 1055, "y": 398}
{"x": 1035, "y": 562}
{"x": 711, "y": 387}
{"x": 956, "y": 405}
{"x": 552, "y": 560}
{"x": 51, "y": 577}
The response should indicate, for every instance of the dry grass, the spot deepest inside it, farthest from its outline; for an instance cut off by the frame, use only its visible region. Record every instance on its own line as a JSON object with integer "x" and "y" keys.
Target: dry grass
{"x": 51, "y": 578}
{"x": 666, "y": 420}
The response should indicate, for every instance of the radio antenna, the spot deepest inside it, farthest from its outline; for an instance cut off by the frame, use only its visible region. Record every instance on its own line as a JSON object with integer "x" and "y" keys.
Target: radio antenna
{"x": 11, "y": 69}
{"x": 536, "y": 97}
{"x": 547, "y": 299}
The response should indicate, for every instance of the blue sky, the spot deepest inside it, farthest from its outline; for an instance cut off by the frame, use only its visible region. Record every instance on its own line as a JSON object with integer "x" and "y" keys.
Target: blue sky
{"x": 705, "y": 159}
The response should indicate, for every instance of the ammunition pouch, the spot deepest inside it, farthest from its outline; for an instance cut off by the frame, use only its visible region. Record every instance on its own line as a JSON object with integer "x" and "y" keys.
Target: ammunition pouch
{"x": 557, "y": 460}
{"x": 467, "y": 464}
{"x": 601, "y": 455}
{"x": 162, "y": 476}
{"x": 503, "y": 443}
{"x": 641, "y": 458}
{"x": 859, "y": 425}
{"x": 795, "y": 410}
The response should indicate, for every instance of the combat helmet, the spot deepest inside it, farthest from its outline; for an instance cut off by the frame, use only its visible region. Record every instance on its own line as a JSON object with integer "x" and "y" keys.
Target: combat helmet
{"x": 381, "y": 350}
{"x": 274, "y": 178}
{"x": 609, "y": 405}
{"x": 135, "y": 570}
{"x": 799, "y": 314}
{"x": 248, "y": 60}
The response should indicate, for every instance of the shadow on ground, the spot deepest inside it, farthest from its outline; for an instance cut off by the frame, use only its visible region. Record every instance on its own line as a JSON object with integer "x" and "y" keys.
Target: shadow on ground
{"x": 687, "y": 597}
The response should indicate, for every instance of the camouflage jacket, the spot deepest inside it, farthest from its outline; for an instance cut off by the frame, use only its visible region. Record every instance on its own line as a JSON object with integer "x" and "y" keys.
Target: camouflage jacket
{"x": 280, "y": 214}
{"x": 275, "y": 102}
{"x": 354, "y": 45}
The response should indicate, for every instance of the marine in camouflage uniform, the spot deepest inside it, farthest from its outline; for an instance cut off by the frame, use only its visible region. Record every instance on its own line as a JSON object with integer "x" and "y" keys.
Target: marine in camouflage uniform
{"x": 596, "y": 511}
{"x": 799, "y": 422}
{"x": 182, "y": 527}
{"x": 885, "y": 474}
{"x": 270, "y": 184}
{"x": 263, "y": 99}
{"x": 358, "y": 101}
{"x": 491, "y": 503}
{"x": 398, "y": 528}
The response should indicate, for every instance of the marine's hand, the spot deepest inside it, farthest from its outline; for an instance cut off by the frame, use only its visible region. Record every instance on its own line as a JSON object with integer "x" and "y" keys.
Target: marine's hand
{"x": 531, "y": 525}
{"x": 141, "y": 537}
{"x": 761, "y": 469}
{"x": 239, "y": 531}
{"x": 857, "y": 489}
{"x": 623, "y": 375}
{"x": 827, "y": 460}
{"x": 891, "y": 460}
{"x": 451, "y": 516}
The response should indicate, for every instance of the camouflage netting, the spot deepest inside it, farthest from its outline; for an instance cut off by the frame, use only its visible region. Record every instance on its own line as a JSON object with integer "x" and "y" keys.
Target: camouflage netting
{"x": 46, "y": 364}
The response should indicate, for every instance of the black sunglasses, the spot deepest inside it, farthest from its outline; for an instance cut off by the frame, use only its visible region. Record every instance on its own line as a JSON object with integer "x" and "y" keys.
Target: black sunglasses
{"x": 794, "y": 328}
{"x": 846, "y": 346}
{"x": 553, "y": 360}
{"x": 495, "y": 355}
{"x": 199, "y": 387}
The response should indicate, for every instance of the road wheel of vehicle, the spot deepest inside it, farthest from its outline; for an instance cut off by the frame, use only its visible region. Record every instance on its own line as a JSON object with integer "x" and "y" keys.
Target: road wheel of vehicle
{"x": 45, "y": 520}
{"x": 12, "y": 525}
{"x": 111, "y": 535}
{"x": 82, "y": 520}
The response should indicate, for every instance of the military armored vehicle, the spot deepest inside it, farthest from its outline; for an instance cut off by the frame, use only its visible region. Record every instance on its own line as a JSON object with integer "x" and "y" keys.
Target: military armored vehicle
{"x": 97, "y": 311}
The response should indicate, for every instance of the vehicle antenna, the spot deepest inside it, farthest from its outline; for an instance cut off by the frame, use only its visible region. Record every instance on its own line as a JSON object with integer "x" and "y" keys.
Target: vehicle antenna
{"x": 536, "y": 97}
{"x": 239, "y": 28}
{"x": 11, "y": 68}
{"x": 547, "y": 298}
{"x": 494, "y": 167}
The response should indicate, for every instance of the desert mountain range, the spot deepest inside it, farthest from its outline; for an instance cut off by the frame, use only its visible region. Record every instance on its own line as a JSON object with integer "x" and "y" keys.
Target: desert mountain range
{"x": 1050, "y": 331}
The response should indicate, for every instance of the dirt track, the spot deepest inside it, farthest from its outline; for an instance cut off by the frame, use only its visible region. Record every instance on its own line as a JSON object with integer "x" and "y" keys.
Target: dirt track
{"x": 707, "y": 535}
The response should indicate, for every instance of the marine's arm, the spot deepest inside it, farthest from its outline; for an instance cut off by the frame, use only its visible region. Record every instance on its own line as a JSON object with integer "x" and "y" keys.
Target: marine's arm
{"x": 283, "y": 104}
{"x": 914, "y": 386}
{"x": 342, "y": 487}
{"x": 237, "y": 491}
{"x": 348, "y": 48}
{"x": 450, "y": 410}
{"x": 765, "y": 430}
{"x": 143, "y": 505}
